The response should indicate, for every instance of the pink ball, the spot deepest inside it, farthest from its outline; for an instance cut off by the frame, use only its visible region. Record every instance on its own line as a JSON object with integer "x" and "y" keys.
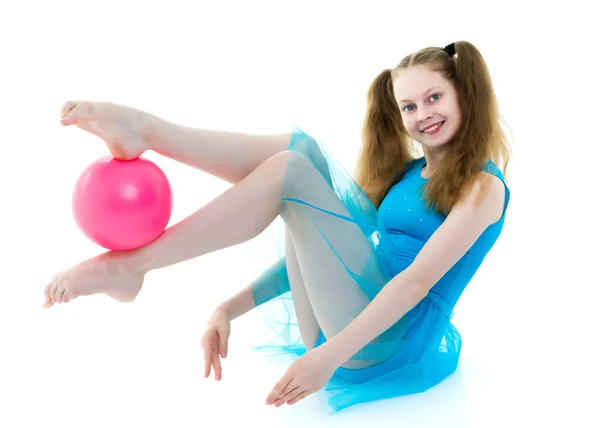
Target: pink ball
{"x": 122, "y": 205}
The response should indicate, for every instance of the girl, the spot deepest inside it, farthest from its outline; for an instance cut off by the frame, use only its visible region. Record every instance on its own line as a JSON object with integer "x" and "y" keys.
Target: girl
{"x": 374, "y": 267}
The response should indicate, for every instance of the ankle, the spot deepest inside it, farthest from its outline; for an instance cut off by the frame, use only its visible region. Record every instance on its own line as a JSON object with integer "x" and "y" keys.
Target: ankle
{"x": 129, "y": 262}
{"x": 160, "y": 133}
{"x": 154, "y": 131}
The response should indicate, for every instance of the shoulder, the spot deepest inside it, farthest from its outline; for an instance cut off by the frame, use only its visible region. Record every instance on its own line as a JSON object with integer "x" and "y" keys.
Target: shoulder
{"x": 486, "y": 198}
{"x": 481, "y": 206}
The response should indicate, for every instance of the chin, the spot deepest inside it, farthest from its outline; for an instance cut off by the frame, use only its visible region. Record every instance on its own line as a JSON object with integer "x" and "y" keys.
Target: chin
{"x": 432, "y": 142}
{"x": 435, "y": 145}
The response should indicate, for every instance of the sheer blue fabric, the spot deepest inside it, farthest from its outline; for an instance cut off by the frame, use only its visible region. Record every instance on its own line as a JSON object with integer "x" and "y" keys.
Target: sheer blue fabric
{"x": 422, "y": 348}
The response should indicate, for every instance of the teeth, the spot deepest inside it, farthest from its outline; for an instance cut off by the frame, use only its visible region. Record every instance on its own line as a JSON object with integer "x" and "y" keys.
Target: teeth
{"x": 434, "y": 128}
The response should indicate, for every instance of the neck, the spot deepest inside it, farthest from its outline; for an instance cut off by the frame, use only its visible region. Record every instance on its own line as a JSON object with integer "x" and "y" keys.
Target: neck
{"x": 433, "y": 157}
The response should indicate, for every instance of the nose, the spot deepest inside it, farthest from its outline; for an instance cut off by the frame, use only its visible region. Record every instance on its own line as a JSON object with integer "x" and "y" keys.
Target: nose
{"x": 424, "y": 114}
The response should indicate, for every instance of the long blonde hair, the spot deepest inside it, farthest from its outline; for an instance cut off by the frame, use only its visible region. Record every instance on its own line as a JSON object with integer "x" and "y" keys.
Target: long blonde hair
{"x": 388, "y": 148}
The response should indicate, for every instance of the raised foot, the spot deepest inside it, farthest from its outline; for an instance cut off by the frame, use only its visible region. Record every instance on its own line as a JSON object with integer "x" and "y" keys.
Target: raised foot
{"x": 123, "y": 129}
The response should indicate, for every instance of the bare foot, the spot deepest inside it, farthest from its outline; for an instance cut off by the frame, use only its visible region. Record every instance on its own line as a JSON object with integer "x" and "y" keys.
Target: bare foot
{"x": 123, "y": 129}
{"x": 106, "y": 273}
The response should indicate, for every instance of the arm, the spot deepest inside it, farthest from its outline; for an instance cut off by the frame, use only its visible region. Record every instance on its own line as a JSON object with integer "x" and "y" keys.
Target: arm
{"x": 270, "y": 284}
{"x": 464, "y": 224}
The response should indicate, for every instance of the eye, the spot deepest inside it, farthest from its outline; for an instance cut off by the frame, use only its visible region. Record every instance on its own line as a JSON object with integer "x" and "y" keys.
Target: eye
{"x": 410, "y": 105}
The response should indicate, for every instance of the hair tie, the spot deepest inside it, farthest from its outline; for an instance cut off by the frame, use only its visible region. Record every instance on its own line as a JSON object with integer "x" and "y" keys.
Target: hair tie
{"x": 450, "y": 49}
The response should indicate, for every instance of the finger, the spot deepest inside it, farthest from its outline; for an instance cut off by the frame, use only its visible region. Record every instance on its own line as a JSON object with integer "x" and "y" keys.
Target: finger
{"x": 208, "y": 365}
{"x": 276, "y": 391}
{"x": 207, "y": 360}
{"x": 224, "y": 341}
{"x": 217, "y": 365}
{"x": 289, "y": 387}
{"x": 299, "y": 397}
{"x": 294, "y": 392}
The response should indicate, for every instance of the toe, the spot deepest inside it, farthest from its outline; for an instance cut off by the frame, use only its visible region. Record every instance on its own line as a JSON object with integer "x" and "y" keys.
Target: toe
{"x": 52, "y": 292}
{"x": 58, "y": 298}
{"x": 68, "y": 113}
{"x": 48, "y": 302}
{"x": 74, "y": 111}
{"x": 67, "y": 107}
{"x": 65, "y": 297}
{"x": 57, "y": 293}
{"x": 47, "y": 298}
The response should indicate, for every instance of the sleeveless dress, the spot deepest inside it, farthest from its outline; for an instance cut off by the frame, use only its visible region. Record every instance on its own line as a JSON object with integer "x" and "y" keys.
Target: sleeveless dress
{"x": 423, "y": 347}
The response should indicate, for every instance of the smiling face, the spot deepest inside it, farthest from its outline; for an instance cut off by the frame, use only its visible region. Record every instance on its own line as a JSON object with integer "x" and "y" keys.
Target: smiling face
{"x": 428, "y": 104}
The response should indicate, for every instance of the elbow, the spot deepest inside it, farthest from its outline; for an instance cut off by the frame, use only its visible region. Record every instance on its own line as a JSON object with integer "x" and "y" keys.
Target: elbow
{"x": 419, "y": 282}
{"x": 422, "y": 289}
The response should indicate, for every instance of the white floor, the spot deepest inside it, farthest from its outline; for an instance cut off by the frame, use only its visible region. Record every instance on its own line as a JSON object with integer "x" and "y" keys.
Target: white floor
{"x": 529, "y": 319}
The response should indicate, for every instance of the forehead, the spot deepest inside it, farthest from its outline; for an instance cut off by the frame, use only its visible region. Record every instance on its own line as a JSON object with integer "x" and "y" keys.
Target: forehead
{"x": 411, "y": 83}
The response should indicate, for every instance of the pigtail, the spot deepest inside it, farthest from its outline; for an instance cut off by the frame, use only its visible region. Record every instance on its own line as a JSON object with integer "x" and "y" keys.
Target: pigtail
{"x": 385, "y": 150}
{"x": 480, "y": 137}
{"x": 387, "y": 147}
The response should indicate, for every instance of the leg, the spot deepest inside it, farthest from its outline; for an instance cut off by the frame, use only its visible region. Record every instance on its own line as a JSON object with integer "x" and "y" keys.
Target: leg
{"x": 324, "y": 300}
{"x": 307, "y": 321}
{"x": 129, "y": 132}
{"x": 326, "y": 278}
{"x": 273, "y": 188}
{"x": 215, "y": 226}
{"x": 231, "y": 156}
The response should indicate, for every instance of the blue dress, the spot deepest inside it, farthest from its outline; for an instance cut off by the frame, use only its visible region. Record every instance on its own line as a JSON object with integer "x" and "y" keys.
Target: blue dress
{"x": 423, "y": 347}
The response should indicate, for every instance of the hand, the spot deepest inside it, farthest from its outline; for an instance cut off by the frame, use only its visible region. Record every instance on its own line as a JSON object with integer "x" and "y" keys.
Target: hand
{"x": 306, "y": 375}
{"x": 214, "y": 342}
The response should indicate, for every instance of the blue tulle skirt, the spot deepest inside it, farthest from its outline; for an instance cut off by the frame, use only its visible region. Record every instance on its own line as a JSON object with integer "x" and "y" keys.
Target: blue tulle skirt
{"x": 418, "y": 351}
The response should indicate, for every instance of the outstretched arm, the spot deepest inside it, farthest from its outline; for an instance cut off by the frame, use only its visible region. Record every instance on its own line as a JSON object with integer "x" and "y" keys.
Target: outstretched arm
{"x": 462, "y": 227}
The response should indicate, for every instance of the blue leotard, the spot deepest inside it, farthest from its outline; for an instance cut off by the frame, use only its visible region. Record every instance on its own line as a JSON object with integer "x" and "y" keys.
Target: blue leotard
{"x": 426, "y": 346}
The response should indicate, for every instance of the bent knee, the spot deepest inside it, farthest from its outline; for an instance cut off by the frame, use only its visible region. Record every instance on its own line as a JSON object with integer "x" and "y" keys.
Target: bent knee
{"x": 290, "y": 157}
{"x": 303, "y": 167}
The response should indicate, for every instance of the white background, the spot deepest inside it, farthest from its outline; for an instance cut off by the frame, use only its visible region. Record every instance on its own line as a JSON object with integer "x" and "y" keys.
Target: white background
{"x": 529, "y": 318}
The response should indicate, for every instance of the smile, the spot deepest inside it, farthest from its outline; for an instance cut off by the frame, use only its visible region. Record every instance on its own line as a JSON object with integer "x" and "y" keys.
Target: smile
{"x": 434, "y": 130}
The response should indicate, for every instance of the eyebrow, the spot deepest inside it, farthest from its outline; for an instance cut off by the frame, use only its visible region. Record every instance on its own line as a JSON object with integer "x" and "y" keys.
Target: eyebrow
{"x": 424, "y": 93}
